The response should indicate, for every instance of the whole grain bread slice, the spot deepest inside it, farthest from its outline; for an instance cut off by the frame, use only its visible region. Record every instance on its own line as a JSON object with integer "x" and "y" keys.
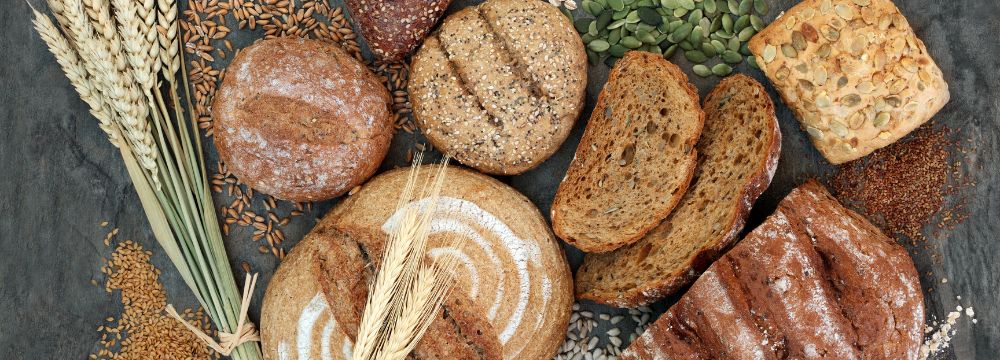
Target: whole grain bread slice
{"x": 636, "y": 157}
{"x": 739, "y": 152}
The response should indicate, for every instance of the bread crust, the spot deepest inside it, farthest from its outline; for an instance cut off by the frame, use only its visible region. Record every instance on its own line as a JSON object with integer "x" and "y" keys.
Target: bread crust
{"x": 667, "y": 284}
{"x": 480, "y": 95}
{"x": 392, "y": 29}
{"x": 861, "y": 79}
{"x": 301, "y": 119}
{"x": 559, "y": 225}
{"x": 815, "y": 279}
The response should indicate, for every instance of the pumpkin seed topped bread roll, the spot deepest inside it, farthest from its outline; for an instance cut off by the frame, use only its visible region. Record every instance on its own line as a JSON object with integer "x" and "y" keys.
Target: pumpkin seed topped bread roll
{"x": 854, "y": 73}
{"x": 635, "y": 159}
{"x": 499, "y": 85}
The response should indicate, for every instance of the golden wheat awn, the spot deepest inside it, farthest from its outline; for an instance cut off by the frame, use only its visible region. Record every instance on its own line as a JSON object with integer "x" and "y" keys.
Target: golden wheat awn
{"x": 114, "y": 66}
{"x": 407, "y": 292}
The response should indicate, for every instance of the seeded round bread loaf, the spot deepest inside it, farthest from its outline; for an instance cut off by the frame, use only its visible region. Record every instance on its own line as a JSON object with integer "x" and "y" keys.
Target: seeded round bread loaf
{"x": 738, "y": 154}
{"x": 301, "y": 119}
{"x": 635, "y": 159}
{"x": 854, "y": 72}
{"x": 394, "y": 28}
{"x": 512, "y": 296}
{"x": 499, "y": 85}
{"x": 815, "y": 280}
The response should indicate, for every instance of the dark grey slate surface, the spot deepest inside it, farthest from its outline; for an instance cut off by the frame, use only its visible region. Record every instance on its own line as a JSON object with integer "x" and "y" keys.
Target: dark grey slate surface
{"x": 59, "y": 178}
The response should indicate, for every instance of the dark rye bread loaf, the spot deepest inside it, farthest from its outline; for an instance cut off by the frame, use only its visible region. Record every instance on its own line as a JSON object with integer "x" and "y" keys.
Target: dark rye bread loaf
{"x": 394, "y": 28}
{"x": 636, "y": 157}
{"x": 301, "y": 119}
{"x": 816, "y": 280}
{"x": 319, "y": 293}
{"x": 737, "y": 155}
{"x": 499, "y": 85}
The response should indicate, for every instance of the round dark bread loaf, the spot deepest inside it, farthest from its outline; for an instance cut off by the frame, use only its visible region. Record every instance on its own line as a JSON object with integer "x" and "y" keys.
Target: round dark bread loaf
{"x": 512, "y": 296}
{"x": 499, "y": 85}
{"x": 393, "y": 29}
{"x": 301, "y": 119}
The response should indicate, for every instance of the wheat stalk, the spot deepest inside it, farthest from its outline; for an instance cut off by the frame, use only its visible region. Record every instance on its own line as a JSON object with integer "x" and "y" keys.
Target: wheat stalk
{"x": 68, "y": 59}
{"x": 167, "y": 30}
{"x": 407, "y": 292}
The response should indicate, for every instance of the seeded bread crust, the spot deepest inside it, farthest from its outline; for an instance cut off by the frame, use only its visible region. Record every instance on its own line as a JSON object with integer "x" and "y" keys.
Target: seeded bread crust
{"x": 710, "y": 216}
{"x": 499, "y": 85}
{"x": 854, "y": 73}
{"x": 301, "y": 119}
{"x": 636, "y": 157}
{"x": 503, "y": 245}
{"x": 814, "y": 280}
{"x": 393, "y": 29}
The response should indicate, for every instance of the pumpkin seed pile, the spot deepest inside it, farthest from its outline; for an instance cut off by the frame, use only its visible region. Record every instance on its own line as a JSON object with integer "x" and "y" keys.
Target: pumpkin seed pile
{"x": 701, "y": 29}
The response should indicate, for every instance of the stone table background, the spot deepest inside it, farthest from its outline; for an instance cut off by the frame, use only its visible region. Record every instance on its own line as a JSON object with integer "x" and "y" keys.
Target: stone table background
{"x": 60, "y": 178}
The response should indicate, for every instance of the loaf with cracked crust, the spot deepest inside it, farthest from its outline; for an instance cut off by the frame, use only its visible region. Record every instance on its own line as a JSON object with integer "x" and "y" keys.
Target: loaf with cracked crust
{"x": 636, "y": 157}
{"x": 499, "y": 85}
{"x": 301, "y": 119}
{"x": 815, "y": 280}
{"x": 738, "y": 154}
{"x": 512, "y": 296}
{"x": 853, "y": 72}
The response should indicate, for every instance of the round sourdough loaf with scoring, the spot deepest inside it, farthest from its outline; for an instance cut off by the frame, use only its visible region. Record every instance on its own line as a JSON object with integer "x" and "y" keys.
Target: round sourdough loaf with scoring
{"x": 301, "y": 119}
{"x": 499, "y": 85}
{"x": 512, "y": 296}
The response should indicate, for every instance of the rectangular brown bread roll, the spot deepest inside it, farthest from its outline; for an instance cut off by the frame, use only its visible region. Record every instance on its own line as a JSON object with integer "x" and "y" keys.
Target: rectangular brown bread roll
{"x": 854, "y": 73}
{"x": 815, "y": 280}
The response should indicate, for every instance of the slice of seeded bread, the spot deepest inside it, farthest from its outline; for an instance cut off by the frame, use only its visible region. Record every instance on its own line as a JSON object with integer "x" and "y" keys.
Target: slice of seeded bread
{"x": 636, "y": 157}
{"x": 738, "y": 153}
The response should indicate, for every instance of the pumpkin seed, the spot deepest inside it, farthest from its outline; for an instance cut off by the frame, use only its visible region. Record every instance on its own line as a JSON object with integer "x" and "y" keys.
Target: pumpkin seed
{"x": 582, "y": 25}
{"x": 695, "y": 17}
{"x": 616, "y": 5}
{"x": 670, "y": 4}
{"x": 617, "y": 50}
{"x": 670, "y": 51}
{"x": 710, "y": 7}
{"x": 741, "y": 23}
{"x": 734, "y": 44}
{"x": 682, "y": 32}
{"x": 706, "y": 26}
{"x": 604, "y": 20}
{"x": 695, "y": 56}
{"x": 789, "y": 51}
{"x": 734, "y": 7}
{"x": 769, "y": 52}
{"x": 701, "y": 70}
{"x": 782, "y": 73}
{"x": 599, "y": 45}
{"x": 618, "y": 15}
{"x": 746, "y": 34}
{"x": 752, "y": 61}
{"x": 798, "y": 41}
{"x": 851, "y": 100}
{"x": 823, "y": 100}
{"x": 731, "y": 57}
{"x": 716, "y": 24}
{"x": 761, "y": 7}
{"x": 709, "y": 50}
{"x": 614, "y": 37}
{"x": 838, "y": 128}
{"x": 842, "y": 82}
{"x": 814, "y": 132}
{"x": 686, "y": 4}
{"x": 844, "y": 12}
{"x": 893, "y": 101}
{"x": 631, "y": 42}
{"x": 587, "y": 38}
{"x": 632, "y": 17}
{"x": 727, "y": 23}
{"x": 650, "y": 16}
{"x": 745, "y": 7}
{"x": 592, "y": 57}
{"x": 756, "y": 22}
{"x": 881, "y": 119}
{"x": 824, "y": 51}
{"x": 695, "y": 37}
{"x": 616, "y": 24}
{"x": 722, "y": 69}
{"x": 686, "y": 45}
{"x": 679, "y": 12}
{"x": 866, "y": 87}
{"x": 719, "y": 46}
{"x": 745, "y": 49}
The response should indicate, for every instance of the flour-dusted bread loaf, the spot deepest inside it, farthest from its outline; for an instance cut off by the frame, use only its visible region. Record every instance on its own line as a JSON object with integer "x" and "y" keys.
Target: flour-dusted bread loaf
{"x": 301, "y": 119}
{"x": 635, "y": 159}
{"x": 499, "y": 85}
{"x": 394, "y": 28}
{"x": 513, "y": 293}
{"x": 854, "y": 73}
{"x": 816, "y": 280}
{"x": 738, "y": 153}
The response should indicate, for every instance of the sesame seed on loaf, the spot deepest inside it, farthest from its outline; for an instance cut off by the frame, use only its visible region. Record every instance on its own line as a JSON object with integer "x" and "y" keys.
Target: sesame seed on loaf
{"x": 636, "y": 158}
{"x": 499, "y": 85}
{"x": 738, "y": 153}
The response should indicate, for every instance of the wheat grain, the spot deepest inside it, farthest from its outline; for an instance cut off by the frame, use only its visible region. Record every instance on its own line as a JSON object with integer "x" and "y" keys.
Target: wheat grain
{"x": 167, "y": 30}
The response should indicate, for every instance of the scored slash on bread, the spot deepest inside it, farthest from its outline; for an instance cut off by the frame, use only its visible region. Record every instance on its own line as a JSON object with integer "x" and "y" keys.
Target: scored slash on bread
{"x": 636, "y": 157}
{"x": 499, "y": 85}
{"x": 814, "y": 280}
{"x": 394, "y": 28}
{"x": 738, "y": 154}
